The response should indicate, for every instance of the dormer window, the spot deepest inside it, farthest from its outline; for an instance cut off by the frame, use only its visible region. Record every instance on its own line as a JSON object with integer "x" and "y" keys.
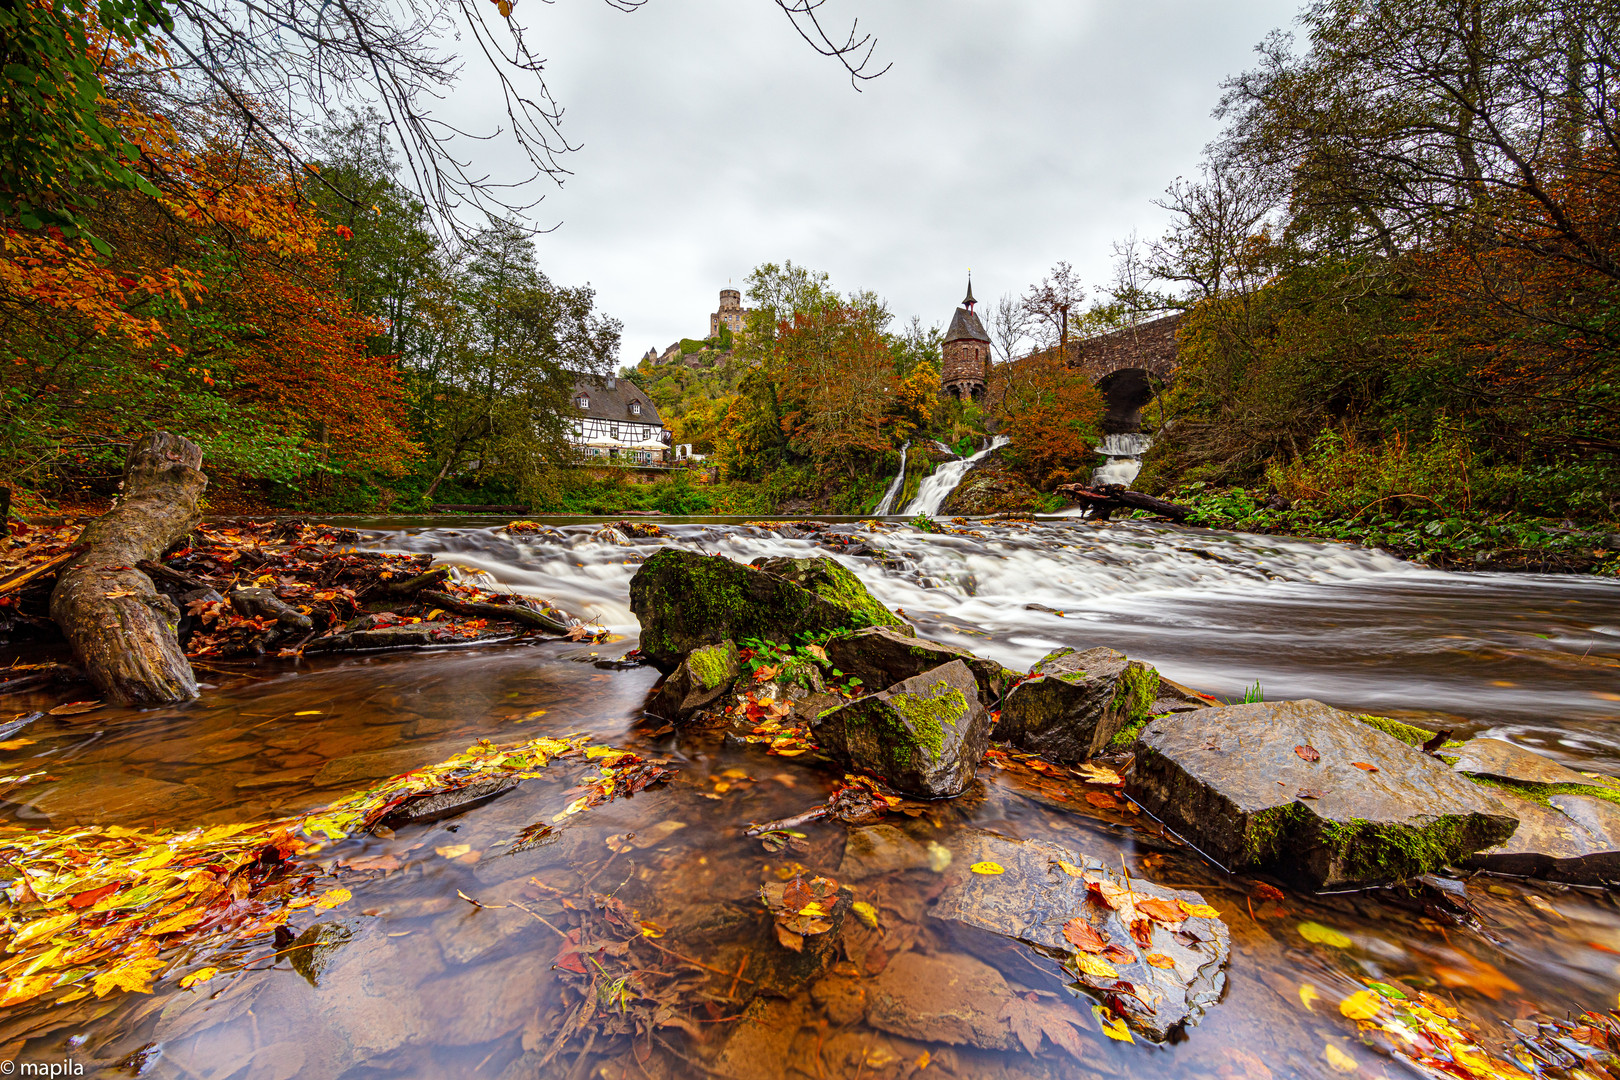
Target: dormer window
{"x": 583, "y": 401}
{"x": 635, "y": 408}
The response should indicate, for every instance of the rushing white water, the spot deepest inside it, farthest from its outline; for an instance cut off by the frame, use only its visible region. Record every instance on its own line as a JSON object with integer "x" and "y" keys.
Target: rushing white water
{"x": 937, "y": 487}
{"x": 886, "y": 504}
{"x": 1124, "y": 453}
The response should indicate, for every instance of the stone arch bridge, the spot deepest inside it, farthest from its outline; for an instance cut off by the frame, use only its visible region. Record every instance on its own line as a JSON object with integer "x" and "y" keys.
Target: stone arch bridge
{"x": 1130, "y": 367}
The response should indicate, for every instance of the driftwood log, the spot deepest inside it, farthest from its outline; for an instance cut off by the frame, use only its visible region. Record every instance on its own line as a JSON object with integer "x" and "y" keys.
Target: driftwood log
{"x": 517, "y": 611}
{"x": 1106, "y": 499}
{"x": 121, "y": 629}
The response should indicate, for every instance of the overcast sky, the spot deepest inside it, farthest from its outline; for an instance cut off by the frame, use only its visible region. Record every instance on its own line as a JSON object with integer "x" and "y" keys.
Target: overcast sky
{"x": 1007, "y": 135}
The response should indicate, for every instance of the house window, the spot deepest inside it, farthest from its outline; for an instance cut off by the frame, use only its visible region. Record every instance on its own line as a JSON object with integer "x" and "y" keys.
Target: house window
{"x": 583, "y": 402}
{"x": 635, "y": 408}
{"x": 613, "y": 431}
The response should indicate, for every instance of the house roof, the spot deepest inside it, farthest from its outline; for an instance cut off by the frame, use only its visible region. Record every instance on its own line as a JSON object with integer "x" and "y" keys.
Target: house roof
{"x": 966, "y": 325}
{"x": 610, "y": 399}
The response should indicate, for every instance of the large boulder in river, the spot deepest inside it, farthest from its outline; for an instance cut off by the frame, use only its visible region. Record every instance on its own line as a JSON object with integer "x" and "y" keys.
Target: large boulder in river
{"x": 923, "y": 736}
{"x": 1074, "y": 703}
{"x": 686, "y": 601}
{"x": 1311, "y": 793}
{"x": 880, "y": 657}
{"x": 834, "y": 583}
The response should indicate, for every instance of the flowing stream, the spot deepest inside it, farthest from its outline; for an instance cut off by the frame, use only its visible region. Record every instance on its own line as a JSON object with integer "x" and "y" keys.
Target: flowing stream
{"x": 1124, "y": 454}
{"x": 886, "y": 504}
{"x": 939, "y": 484}
{"x": 427, "y": 984}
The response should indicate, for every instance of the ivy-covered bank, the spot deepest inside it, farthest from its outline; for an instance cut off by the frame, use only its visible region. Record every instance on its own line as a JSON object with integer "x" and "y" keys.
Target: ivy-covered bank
{"x": 1440, "y": 536}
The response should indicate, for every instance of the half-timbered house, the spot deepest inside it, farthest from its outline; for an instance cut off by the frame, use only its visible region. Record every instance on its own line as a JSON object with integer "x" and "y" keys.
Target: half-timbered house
{"x": 613, "y": 418}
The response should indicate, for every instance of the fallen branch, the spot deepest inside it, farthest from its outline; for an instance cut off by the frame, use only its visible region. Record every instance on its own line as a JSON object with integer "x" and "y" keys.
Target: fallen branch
{"x": 121, "y": 629}
{"x": 1111, "y": 497}
{"x": 513, "y": 612}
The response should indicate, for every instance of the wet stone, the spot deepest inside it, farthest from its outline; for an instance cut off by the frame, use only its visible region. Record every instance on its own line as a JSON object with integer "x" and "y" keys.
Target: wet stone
{"x": 1503, "y": 760}
{"x": 1073, "y": 703}
{"x": 923, "y": 736}
{"x": 700, "y": 680}
{"x": 881, "y": 657}
{"x": 1034, "y": 896}
{"x": 313, "y": 951}
{"x": 1555, "y": 844}
{"x": 1173, "y": 697}
{"x": 685, "y": 600}
{"x": 948, "y": 998}
{"x": 1311, "y": 793}
{"x": 422, "y": 809}
{"x": 884, "y": 849}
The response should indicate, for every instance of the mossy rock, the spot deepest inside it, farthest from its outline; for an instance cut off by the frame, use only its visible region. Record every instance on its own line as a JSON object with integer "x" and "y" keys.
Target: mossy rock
{"x": 836, "y": 584}
{"x": 700, "y": 680}
{"x": 686, "y": 601}
{"x": 923, "y": 736}
{"x": 1355, "y": 806}
{"x": 1074, "y": 703}
{"x": 880, "y": 657}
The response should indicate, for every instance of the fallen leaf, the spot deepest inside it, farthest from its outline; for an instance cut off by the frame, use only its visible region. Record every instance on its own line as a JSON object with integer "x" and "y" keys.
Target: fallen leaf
{"x": 136, "y": 975}
{"x": 200, "y": 976}
{"x": 1308, "y": 994}
{"x": 1082, "y": 935}
{"x": 1338, "y": 1059}
{"x": 1308, "y": 753}
{"x": 452, "y": 851}
{"x": 1267, "y": 892}
{"x": 117, "y": 593}
{"x": 789, "y": 939}
{"x": 1102, "y": 800}
{"x": 1361, "y": 1005}
{"x": 92, "y": 896}
{"x": 1159, "y": 960}
{"x": 1198, "y": 911}
{"x": 1118, "y": 954}
{"x": 1317, "y": 934}
{"x": 1165, "y": 911}
{"x": 308, "y": 712}
{"x": 1541, "y": 905}
{"x": 16, "y": 744}
{"x": 1308, "y": 793}
{"x": 74, "y": 708}
{"x": 1112, "y": 1026}
{"x": 619, "y": 843}
{"x": 987, "y": 868}
{"x": 1096, "y": 774}
{"x": 865, "y": 912}
{"x": 1095, "y": 966}
{"x": 1069, "y": 868}
{"x": 1364, "y": 766}
{"x": 332, "y": 898}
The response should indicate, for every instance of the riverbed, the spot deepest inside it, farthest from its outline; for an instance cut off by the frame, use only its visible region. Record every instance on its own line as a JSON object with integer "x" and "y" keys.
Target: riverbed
{"x": 436, "y": 979}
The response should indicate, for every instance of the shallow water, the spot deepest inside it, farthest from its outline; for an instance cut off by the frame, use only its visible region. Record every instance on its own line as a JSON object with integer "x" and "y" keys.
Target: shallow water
{"x": 431, "y": 985}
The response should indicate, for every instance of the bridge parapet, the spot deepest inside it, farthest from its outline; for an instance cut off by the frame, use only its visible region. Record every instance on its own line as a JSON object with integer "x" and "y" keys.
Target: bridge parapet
{"x": 1150, "y": 346}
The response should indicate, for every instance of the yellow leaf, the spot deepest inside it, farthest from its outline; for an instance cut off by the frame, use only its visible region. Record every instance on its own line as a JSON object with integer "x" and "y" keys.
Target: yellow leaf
{"x": 333, "y": 898}
{"x": 1198, "y": 911}
{"x": 189, "y": 917}
{"x": 40, "y": 929}
{"x": 651, "y": 929}
{"x": 1069, "y": 868}
{"x": 866, "y": 913}
{"x": 308, "y": 712}
{"x": 453, "y": 851}
{"x": 573, "y": 808}
{"x": 1361, "y": 1005}
{"x": 1112, "y": 1026}
{"x": 1095, "y": 966}
{"x": 136, "y": 975}
{"x": 987, "y": 868}
{"x": 25, "y": 988}
{"x": 1308, "y": 994}
{"x": 200, "y": 976}
{"x": 1341, "y": 1061}
{"x": 1318, "y": 934}
{"x": 16, "y": 744}
{"x": 162, "y": 856}
{"x": 923, "y": 1059}
{"x": 1159, "y": 960}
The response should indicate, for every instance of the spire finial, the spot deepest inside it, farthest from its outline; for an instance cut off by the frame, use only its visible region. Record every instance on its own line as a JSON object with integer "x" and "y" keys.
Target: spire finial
{"x": 969, "y": 301}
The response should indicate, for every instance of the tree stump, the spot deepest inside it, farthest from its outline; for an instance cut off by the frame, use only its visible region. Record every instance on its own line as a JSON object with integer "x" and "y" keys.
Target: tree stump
{"x": 122, "y": 631}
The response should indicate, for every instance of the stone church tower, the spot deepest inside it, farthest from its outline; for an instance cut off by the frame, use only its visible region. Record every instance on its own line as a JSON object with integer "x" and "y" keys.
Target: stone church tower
{"x": 967, "y": 353}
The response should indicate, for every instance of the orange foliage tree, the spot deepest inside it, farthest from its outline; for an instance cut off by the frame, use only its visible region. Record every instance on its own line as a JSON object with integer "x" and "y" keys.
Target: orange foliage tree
{"x": 1049, "y": 414}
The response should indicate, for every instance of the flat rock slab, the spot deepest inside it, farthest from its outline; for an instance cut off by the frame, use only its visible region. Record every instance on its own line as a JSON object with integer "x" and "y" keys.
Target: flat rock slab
{"x": 923, "y": 737}
{"x": 948, "y": 998}
{"x": 1073, "y": 703}
{"x": 881, "y": 657}
{"x": 1573, "y": 840}
{"x": 1503, "y": 760}
{"x": 1311, "y": 793}
{"x": 1034, "y": 896}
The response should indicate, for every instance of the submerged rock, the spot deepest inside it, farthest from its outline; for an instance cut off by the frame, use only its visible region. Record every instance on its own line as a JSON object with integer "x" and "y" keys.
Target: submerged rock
{"x": 1311, "y": 793}
{"x": 884, "y": 849}
{"x": 698, "y": 682}
{"x": 923, "y": 736}
{"x": 948, "y": 998}
{"x": 1074, "y": 703}
{"x": 880, "y": 657}
{"x": 313, "y": 951}
{"x": 685, "y": 600}
{"x": 1041, "y": 886}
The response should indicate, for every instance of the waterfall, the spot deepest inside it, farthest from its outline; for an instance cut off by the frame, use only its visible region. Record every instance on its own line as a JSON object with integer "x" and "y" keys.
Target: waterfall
{"x": 886, "y": 504}
{"x": 1124, "y": 453}
{"x": 938, "y": 486}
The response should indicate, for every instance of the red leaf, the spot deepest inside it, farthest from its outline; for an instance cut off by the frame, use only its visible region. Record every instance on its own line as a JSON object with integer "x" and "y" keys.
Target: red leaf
{"x": 1082, "y": 935}
{"x": 1364, "y": 766}
{"x": 1267, "y": 892}
{"x": 92, "y": 896}
{"x": 1308, "y": 753}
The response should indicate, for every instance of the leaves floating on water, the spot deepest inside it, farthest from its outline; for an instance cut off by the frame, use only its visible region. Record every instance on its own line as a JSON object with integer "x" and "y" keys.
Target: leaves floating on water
{"x": 801, "y": 908}
{"x": 1361, "y": 1005}
{"x": 98, "y": 909}
{"x": 1307, "y": 995}
{"x": 1317, "y": 934}
{"x": 1112, "y": 1026}
{"x": 1338, "y": 1059}
{"x": 1267, "y": 892}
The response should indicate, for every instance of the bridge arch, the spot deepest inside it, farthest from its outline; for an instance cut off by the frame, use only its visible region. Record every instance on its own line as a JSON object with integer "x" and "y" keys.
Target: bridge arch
{"x": 1131, "y": 367}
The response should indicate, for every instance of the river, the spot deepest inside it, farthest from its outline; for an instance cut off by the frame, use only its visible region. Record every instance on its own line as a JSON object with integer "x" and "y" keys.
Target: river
{"x": 431, "y": 985}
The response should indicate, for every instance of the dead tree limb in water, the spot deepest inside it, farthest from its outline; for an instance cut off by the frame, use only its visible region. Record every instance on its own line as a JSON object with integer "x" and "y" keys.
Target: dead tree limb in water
{"x": 1110, "y": 497}
{"x": 122, "y": 631}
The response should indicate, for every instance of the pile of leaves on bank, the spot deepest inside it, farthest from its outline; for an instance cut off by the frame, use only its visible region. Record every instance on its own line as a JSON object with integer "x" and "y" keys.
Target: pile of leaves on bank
{"x": 248, "y": 589}
{"x": 92, "y": 910}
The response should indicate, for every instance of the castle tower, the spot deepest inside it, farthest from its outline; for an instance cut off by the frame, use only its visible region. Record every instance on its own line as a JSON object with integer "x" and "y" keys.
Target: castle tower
{"x": 730, "y": 315}
{"x": 967, "y": 353}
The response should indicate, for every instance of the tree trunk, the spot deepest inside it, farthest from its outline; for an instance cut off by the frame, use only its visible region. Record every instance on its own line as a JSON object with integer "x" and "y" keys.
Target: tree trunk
{"x": 122, "y": 631}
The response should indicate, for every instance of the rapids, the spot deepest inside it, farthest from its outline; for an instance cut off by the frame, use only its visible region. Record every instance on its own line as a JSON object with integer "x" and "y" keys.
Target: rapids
{"x": 939, "y": 484}
{"x": 431, "y": 986}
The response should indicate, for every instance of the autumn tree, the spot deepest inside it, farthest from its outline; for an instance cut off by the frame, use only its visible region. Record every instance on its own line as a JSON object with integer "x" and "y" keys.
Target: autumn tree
{"x": 1049, "y": 413}
{"x": 1049, "y": 304}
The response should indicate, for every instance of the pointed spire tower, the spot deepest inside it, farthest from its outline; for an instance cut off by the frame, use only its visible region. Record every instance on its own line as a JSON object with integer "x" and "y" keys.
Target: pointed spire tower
{"x": 967, "y": 352}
